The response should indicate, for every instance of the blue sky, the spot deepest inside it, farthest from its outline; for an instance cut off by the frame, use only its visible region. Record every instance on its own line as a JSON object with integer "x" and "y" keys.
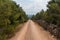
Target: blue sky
{"x": 32, "y": 6}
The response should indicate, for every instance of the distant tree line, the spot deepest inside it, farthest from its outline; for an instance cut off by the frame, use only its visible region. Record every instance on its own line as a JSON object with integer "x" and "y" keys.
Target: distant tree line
{"x": 11, "y": 14}
{"x": 51, "y": 15}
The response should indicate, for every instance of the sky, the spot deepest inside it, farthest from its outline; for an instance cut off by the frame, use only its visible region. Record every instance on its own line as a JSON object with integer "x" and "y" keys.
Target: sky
{"x": 32, "y": 6}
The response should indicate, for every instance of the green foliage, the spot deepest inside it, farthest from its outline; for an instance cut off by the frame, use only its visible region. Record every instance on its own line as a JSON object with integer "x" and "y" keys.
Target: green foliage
{"x": 54, "y": 12}
{"x": 52, "y": 15}
{"x": 11, "y": 14}
{"x": 39, "y": 15}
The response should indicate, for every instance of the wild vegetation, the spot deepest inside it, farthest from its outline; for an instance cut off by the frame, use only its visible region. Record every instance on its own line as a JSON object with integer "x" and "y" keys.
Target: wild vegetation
{"x": 11, "y": 15}
{"x": 50, "y": 17}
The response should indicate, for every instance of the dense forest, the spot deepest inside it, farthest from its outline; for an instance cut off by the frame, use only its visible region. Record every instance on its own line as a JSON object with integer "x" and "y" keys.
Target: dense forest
{"x": 11, "y": 14}
{"x": 51, "y": 17}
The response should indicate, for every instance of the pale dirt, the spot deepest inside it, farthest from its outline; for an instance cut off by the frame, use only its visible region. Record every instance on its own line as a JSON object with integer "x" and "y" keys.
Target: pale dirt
{"x": 32, "y": 31}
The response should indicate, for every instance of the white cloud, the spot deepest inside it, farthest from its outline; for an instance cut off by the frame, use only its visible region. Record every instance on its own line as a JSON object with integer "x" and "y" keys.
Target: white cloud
{"x": 32, "y": 6}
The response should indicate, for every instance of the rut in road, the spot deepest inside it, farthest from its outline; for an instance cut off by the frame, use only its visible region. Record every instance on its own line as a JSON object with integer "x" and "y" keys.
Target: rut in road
{"x": 32, "y": 31}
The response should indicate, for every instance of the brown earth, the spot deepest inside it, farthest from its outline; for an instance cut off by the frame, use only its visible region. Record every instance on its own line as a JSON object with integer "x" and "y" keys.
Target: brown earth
{"x": 32, "y": 31}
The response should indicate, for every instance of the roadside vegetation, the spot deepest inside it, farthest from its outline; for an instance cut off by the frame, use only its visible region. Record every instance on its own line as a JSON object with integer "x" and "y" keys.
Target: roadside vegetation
{"x": 11, "y": 14}
{"x": 50, "y": 19}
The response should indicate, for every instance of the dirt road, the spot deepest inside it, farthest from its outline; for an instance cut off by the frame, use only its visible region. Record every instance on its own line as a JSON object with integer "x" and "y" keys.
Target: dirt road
{"x": 32, "y": 31}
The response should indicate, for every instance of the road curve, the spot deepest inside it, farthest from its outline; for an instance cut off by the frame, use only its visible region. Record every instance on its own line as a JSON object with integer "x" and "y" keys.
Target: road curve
{"x": 32, "y": 31}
